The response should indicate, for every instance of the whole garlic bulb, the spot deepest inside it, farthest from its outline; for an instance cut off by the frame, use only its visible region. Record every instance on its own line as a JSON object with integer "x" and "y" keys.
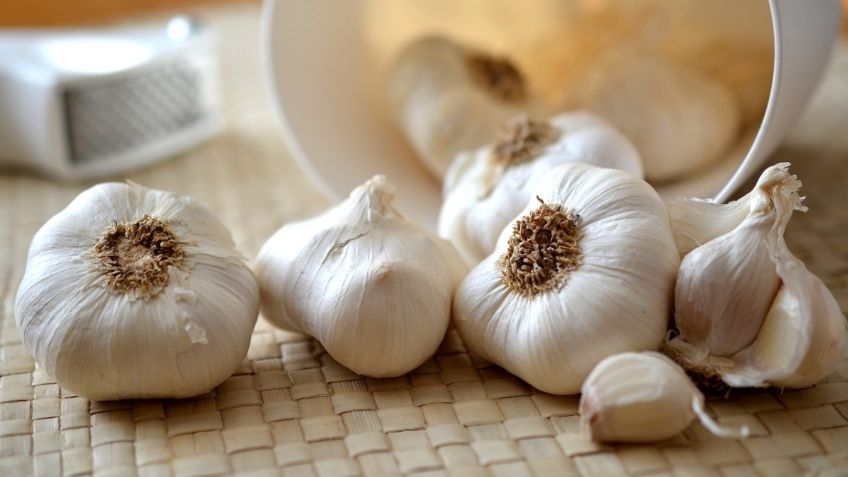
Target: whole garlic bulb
{"x": 448, "y": 98}
{"x": 136, "y": 293}
{"x": 585, "y": 271}
{"x": 643, "y": 397}
{"x": 679, "y": 119}
{"x": 747, "y": 309}
{"x": 372, "y": 287}
{"x": 487, "y": 188}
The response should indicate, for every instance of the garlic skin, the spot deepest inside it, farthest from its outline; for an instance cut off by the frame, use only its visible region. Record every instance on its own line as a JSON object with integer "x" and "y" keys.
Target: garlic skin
{"x": 747, "y": 309}
{"x": 131, "y": 292}
{"x": 643, "y": 397}
{"x": 487, "y": 188}
{"x": 585, "y": 271}
{"x": 679, "y": 119}
{"x": 449, "y": 98}
{"x": 372, "y": 287}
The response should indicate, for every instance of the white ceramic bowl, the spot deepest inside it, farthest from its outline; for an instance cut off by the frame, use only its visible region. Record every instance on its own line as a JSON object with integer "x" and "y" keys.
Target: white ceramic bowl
{"x": 327, "y": 88}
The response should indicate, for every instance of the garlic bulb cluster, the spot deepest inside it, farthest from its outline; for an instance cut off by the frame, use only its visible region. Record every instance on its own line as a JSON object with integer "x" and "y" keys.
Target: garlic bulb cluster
{"x": 643, "y": 397}
{"x": 679, "y": 119}
{"x": 372, "y": 287}
{"x": 448, "y": 98}
{"x": 585, "y": 271}
{"x": 749, "y": 311}
{"x": 486, "y": 189}
{"x": 136, "y": 293}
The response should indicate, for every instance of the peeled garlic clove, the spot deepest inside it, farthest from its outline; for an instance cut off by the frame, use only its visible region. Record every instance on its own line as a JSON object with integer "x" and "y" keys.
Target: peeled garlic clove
{"x": 486, "y": 189}
{"x": 136, "y": 293}
{"x": 372, "y": 287}
{"x": 585, "y": 271}
{"x": 798, "y": 331}
{"x": 448, "y": 98}
{"x": 679, "y": 119}
{"x": 643, "y": 397}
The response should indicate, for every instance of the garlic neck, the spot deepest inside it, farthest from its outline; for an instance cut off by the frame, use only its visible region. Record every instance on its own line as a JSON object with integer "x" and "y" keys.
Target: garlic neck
{"x": 135, "y": 256}
{"x": 497, "y": 76}
{"x": 521, "y": 140}
{"x": 542, "y": 250}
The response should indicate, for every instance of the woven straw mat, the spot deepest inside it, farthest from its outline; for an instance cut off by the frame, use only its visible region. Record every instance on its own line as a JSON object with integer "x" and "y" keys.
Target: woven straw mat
{"x": 291, "y": 410}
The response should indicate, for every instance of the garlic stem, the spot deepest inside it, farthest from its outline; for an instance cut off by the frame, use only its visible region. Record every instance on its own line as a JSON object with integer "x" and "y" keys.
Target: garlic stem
{"x": 715, "y": 428}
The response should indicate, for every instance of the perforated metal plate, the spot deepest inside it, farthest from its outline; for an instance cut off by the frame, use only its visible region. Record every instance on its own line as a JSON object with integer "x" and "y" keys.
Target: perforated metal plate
{"x": 111, "y": 117}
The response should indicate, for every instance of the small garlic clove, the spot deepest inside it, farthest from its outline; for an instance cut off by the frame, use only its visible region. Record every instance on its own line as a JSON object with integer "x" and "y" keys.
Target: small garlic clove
{"x": 643, "y": 397}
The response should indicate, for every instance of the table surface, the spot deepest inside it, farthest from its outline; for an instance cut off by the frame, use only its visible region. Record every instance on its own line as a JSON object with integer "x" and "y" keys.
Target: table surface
{"x": 291, "y": 409}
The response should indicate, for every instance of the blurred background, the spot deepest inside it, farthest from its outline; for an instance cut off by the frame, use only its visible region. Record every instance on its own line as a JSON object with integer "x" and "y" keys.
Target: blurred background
{"x": 22, "y": 13}
{"x": 16, "y": 13}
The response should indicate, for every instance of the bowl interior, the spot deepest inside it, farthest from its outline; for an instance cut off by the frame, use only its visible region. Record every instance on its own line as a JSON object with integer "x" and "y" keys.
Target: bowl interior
{"x": 327, "y": 64}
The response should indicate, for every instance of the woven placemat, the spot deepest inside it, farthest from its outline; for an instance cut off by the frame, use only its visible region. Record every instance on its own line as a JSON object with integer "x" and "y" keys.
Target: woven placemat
{"x": 291, "y": 410}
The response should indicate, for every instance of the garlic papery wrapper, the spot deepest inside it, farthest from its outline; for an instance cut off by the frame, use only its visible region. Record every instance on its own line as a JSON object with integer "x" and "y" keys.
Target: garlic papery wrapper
{"x": 136, "y": 293}
{"x": 643, "y": 397}
{"x": 679, "y": 119}
{"x": 448, "y": 98}
{"x": 585, "y": 271}
{"x": 748, "y": 311}
{"x": 372, "y": 287}
{"x": 487, "y": 188}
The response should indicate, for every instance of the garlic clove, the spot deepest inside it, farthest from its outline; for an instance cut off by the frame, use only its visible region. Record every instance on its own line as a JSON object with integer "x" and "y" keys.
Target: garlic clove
{"x": 679, "y": 119}
{"x": 448, "y": 98}
{"x": 801, "y": 340}
{"x": 726, "y": 293}
{"x": 372, "y": 287}
{"x": 725, "y": 288}
{"x": 486, "y": 189}
{"x": 585, "y": 271}
{"x": 643, "y": 397}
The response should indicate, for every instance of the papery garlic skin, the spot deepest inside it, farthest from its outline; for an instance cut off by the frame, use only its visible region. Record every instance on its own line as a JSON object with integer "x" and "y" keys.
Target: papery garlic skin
{"x": 485, "y": 191}
{"x": 613, "y": 295}
{"x": 679, "y": 119}
{"x": 177, "y": 340}
{"x": 642, "y": 397}
{"x": 794, "y": 330}
{"x": 802, "y": 339}
{"x": 725, "y": 288}
{"x": 448, "y": 98}
{"x": 373, "y": 288}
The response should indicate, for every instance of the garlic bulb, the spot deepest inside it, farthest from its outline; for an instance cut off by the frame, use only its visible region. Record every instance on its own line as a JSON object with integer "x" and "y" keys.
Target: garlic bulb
{"x": 585, "y": 271}
{"x": 747, "y": 309}
{"x": 487, "y": 188}
{"x": 643, "y": 397}
{"x": 136, "y": 293}
{"x": 678, "y": 119}
{"x": 372, "y": 287}
{"x": 448, "y": 98}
